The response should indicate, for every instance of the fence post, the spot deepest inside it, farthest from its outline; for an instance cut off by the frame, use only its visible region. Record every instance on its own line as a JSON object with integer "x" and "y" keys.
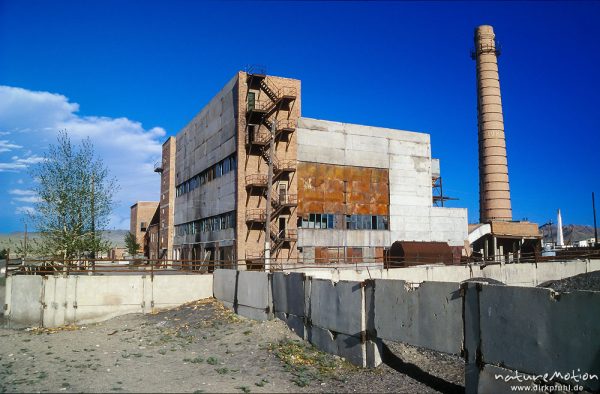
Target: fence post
{"x": 7, "y": 263}
{"x": 472, "y": 335}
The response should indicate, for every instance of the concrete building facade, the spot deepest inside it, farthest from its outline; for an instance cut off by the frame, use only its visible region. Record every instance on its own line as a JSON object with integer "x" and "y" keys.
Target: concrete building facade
{"x": 141, "y": 214}
{"x": 167, "y": 198}
{"x": 249, "y": 169}
{"x": 370, "y": 187}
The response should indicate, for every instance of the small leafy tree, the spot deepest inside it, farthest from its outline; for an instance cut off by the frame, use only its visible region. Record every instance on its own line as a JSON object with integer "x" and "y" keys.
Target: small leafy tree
{"x": 76, "y": 198}
{"x": 131, "y": 244}
{"x": 24, "y": 249}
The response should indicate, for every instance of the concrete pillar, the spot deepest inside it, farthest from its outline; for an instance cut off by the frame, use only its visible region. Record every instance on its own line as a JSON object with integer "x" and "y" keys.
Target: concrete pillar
{"x": 486, "y": 248}
{"x": 494, "y": 190}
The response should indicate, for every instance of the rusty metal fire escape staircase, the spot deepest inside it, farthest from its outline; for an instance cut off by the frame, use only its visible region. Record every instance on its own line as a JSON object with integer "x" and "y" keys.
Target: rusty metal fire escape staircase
{"x": 278, "y": 97}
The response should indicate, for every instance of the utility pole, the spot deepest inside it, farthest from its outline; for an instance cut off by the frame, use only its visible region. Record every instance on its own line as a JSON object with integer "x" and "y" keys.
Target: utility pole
{"x": 93, "y": 214}
{"x": 25, "y": 243}
{"x": 269, "y": 197}
{"x": 595, "y": 228}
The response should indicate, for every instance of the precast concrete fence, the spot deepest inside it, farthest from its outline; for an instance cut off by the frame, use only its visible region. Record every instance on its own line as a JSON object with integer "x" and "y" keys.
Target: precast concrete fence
{"x": 52, "y": 301}
{"x": 501, "y": 331}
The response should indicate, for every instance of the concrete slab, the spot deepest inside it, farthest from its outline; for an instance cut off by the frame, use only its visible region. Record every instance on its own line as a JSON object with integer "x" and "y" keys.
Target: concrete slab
{"x": 170, "y": 290}
{"x": 535, "y": 330}
{"x": 253, "y": 290}
{"x": 429, "y": 316}
{"x": 347, "y": 346}
{"x": 253, "y": 313}
{"x": 288, "y": 293}
{"x": 55, "y": 299}
{"x": 337, "y": 306}
{"x": 224, "y": 285}
{"x": 26, "y": 296}
{"x": 294, "y": 323}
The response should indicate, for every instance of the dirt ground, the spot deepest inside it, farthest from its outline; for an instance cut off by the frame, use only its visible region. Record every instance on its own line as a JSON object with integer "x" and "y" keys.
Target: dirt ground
{"x": 202, "y": 347}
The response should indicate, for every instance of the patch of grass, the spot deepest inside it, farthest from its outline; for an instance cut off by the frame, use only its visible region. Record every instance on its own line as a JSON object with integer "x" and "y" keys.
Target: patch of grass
{"x": 212, "y": 360}
{"x": 244, "y": 389}
{"x": 65, "y": 385}
{"x": 197, "y": 360}
{"x": 305, "y": 362}
{"x": 222, "y": 371}
{"x": 262, "y": 382}
{"x": 198, "y": 391}
{"x": 302, "y": 380}
{"x": 162, "y": 351}
{"x": 247, "y": 332}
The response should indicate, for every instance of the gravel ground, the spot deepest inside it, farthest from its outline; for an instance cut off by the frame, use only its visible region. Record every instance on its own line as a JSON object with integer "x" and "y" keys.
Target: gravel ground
{"x": 201, "y": 347}
{"x": 588, "y": 281}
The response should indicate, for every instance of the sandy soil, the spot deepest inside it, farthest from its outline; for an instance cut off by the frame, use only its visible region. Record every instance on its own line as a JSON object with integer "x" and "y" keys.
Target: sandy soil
{"x": 201, "y": 347}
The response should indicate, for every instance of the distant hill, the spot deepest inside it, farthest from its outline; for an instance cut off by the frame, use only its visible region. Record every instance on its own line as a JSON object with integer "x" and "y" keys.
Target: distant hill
{"x": 11, "y": 240}
{"x": 571, "y": 232}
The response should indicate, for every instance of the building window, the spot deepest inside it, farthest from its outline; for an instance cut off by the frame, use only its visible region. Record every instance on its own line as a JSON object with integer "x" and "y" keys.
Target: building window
{"x": 214, "y": 223}
{"x": 352, "y": 222}
{"x": 215, "y": 171}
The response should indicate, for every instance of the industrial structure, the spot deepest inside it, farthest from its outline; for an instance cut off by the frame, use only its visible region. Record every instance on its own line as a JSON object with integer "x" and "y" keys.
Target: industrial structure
{"x": 141, "y": 214}
{"x": 494, "y": 189}
{"x": 249, "y": 180}
{"x": 496, "y": 234}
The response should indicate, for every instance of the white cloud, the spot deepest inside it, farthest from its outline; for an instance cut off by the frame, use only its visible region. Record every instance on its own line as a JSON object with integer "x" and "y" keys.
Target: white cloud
{"x": 29, "y": 199}
{"x": 22, "y": 192}
{"x": 6, "y": 146}
{"x": 24, "y": 210}
{"x": 20, "y": 163}
{"x": 24, "y": 195}
{"x": 32, "y": 120}
{"x": 5, "y": 167}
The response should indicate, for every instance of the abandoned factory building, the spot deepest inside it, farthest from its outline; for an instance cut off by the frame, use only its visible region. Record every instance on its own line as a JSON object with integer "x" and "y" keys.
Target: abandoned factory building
{"x": 249, "y": 167}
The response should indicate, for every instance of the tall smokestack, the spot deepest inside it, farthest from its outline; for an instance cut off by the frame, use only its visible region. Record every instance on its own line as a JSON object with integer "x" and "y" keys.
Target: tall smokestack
{"x": 494, "y": 190}
{"x": 560, "y": 240}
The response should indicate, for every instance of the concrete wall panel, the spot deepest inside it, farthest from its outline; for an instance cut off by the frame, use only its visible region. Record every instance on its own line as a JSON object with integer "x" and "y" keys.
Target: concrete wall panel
{"x": 55, "y": 300}
{"x": 224, "y": 285}
{"x": 337, "y": 306}
{"x": 535, "y": 330}
{"x": 25, "y": 296}
{"x": 347, "y": 346}
{"x": 294, "y": 323}
{"x": 288, "y": 293}
{"x": 103, "y": 297}
{"x": 253, "y": 289}
{"x": 429, "y": 316}
{"x": 171, "y": 290}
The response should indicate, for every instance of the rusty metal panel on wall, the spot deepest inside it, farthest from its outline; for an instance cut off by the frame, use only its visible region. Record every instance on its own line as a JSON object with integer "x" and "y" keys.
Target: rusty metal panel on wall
{"x": 328, "y": 188}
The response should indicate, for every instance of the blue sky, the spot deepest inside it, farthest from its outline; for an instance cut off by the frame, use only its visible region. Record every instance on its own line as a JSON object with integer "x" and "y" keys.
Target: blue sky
{"x": 130, "y": 73}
